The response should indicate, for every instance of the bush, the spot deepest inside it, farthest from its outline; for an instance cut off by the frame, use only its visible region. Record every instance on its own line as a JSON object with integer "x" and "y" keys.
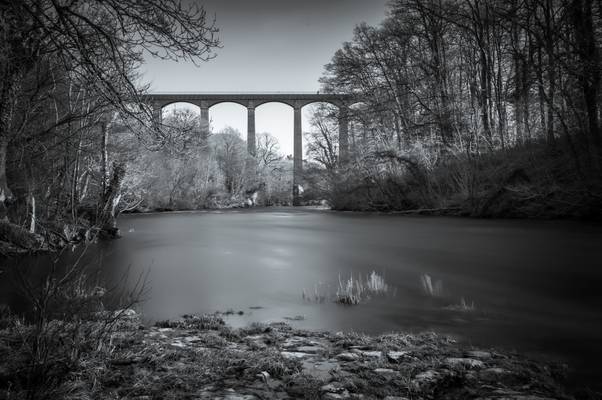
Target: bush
{"x": 66, "y": 326}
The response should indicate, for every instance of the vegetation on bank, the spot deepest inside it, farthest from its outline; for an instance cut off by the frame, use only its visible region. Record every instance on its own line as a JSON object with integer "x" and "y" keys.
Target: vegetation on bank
{"x": 467, "y": 108}
{"x": 527, "y": 182}
{"x": 203, "y": 357}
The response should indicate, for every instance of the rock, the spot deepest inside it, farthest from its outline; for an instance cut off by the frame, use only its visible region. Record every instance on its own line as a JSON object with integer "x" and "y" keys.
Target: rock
{"x": 334, "y": 391}
{"x": 128, "y": 312}
{"x": 309, "y": 349}
{"x": 478, "y": 354}
{"x": 335, "y": 396}
{"x": 320, "y": 369}
{"x": 332, "y": 388}
{"x": 293, "y": 354}
{"x": 239, "y": 397}
{"x": 294, "y": 341}
{"x": 492, "y": 374}
{"x": 192, "y": 339}
{"x": 348, "y": 356}
{"x": 395, "y": 356}
{"x": 264, "y": 375}
{"x": 369, "y": 353}
{"x": 425, "y": 379}
{"x": 428, "y": 375}
{"x": 395, "y": 398}
{"x": 385, "y": 371}
{"x": 464, "y": 362}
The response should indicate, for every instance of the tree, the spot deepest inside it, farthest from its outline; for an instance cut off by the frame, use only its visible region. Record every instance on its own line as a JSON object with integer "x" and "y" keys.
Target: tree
{"x": 322, "y": 140}
{"x": 93, "y": 44}
{"x": 268, "y": 152}
{"x": 230, "y": 154}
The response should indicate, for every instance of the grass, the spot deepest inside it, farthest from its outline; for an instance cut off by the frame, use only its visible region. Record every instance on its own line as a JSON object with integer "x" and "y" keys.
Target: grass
{"x": 351, "y": 291}
{"x": 319, "y": 295}
{"x": 356, "y": 290}
{"x": 463, "y": 306}
{"x": 430, "y": 288}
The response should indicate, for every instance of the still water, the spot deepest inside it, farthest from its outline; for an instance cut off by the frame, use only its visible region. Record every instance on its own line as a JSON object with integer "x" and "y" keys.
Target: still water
{"x": 536, "y": 285}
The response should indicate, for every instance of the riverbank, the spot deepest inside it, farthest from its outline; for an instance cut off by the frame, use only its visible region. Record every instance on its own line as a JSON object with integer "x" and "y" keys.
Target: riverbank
{"x": 531, "y": 182}
{"x": 202, "y": 357}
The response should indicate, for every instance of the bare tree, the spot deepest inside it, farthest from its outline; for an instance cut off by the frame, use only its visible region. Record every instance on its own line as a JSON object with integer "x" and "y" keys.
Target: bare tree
{"x": 96, "y": 43}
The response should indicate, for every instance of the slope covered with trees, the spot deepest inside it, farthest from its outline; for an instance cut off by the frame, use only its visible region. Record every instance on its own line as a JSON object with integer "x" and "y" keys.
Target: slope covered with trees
{"x": 471, "y": 107}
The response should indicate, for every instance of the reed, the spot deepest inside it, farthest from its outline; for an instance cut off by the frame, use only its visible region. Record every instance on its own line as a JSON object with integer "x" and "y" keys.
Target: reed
{"x": 355, "y": 290}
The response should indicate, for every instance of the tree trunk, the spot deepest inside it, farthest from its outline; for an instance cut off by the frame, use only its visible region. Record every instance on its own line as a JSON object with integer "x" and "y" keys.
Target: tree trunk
{"x": 6, "y": 195}
{"x": 589, "y": 76}
{"x": 32, "y": 225}
{"x": 104, "y": 169}
{"x": 551, "y": 71}
{"x": 107, "y": 219}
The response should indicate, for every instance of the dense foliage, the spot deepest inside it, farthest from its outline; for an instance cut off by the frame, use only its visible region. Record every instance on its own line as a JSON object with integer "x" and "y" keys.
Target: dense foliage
{"x": 489, "y": 108}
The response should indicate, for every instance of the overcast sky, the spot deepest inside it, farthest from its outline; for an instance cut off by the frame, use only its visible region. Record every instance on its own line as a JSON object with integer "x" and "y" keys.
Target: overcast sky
{"x": 268, "y": 45}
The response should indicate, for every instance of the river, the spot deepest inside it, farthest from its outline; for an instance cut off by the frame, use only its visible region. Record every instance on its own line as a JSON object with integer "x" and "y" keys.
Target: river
{"x": 535, "y": 285}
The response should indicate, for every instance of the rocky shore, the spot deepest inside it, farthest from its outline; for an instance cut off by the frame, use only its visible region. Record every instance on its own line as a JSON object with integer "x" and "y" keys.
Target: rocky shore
{"x": 202, "y": 357}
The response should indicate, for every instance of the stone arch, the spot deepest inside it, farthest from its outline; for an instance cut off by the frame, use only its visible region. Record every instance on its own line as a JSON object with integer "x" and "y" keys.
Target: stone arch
{"x": 188, "y": 104}
{"x": 267, "y": 101}
{"x": 218, "y": 102}
{"x": 231, "y": 111}
{"x": 280, "y": 124}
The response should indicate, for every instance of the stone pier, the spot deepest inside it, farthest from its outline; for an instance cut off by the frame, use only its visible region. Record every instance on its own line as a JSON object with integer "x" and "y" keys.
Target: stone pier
{"x": 253, "y": 100}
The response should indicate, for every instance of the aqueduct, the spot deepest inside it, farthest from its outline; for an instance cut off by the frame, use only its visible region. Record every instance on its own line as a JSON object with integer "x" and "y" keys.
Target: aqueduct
{"x": 250, "y": 101}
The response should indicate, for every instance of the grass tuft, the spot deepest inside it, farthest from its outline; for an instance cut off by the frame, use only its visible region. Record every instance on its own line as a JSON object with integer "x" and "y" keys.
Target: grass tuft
{"x": 433, "y": 289}
{"x": 355, "y": 290}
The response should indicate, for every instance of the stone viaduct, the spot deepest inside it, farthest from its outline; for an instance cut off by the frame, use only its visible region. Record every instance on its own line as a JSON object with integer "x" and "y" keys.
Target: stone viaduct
{"x": 295, "y": 100}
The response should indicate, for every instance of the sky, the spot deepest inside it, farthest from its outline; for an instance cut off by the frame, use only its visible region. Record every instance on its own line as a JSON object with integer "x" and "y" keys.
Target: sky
{"x": 268, "y": 45}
